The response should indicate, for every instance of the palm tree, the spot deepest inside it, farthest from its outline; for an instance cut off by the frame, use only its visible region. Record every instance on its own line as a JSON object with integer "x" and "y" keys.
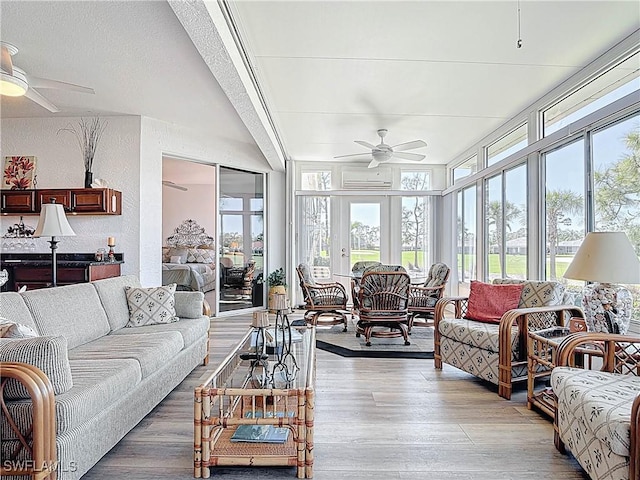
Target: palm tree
{"x": 495, "y": 218}
{"x": 560, "y": 205}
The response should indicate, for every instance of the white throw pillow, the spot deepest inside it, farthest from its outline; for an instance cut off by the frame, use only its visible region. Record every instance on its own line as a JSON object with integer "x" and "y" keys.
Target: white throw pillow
{"x": 175, "y": 259}
{"x": 151, "y": 306}
{"x": 9, "y": 329}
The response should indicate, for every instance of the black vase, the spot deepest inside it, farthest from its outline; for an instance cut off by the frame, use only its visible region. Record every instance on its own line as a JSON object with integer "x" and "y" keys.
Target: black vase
{"x": 88, "y": 179}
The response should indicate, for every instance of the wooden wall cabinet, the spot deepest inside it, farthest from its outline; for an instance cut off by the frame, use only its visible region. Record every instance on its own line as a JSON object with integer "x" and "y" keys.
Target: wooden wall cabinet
{"x": 80, "y": 201}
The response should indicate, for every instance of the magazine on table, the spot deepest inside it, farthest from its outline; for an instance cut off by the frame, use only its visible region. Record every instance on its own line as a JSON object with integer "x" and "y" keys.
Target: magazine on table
{"x": 261, "y": 433}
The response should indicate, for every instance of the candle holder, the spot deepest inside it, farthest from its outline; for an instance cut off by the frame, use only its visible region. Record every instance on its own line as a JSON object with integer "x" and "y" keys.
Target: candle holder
{"x": 111, "y": 256}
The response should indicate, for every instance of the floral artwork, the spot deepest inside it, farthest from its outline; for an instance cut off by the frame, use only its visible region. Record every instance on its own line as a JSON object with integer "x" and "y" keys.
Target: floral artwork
{"x": 19, "y": 173}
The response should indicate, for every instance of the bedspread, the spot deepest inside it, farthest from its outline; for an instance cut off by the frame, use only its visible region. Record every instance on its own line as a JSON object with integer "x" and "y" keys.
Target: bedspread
{"x": 193, "y": 276}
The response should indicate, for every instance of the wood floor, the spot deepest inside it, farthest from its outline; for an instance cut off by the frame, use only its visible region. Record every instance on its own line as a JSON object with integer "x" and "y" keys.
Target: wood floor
{"x": 392, "y": 419}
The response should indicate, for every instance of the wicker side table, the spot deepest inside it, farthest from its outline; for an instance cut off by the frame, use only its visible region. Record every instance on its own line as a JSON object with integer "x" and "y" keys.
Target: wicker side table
{"x": 542, "y": 348}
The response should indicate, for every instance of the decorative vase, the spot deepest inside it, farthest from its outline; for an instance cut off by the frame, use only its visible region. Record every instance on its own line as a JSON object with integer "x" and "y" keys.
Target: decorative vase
{"x": 88, "y": 179}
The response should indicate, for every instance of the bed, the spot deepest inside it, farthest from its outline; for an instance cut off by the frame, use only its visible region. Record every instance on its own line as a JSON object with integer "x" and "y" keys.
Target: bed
{"x": 189, "y": 258}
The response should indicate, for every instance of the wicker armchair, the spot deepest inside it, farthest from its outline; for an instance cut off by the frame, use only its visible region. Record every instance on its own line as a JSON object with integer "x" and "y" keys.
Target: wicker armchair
{"x": 322, "y": 299}
{"x": 423, "y": 298}
{"x": 383, "y": 298}
{"x": 356, "y": 275}
{"x": 597, "y": 414}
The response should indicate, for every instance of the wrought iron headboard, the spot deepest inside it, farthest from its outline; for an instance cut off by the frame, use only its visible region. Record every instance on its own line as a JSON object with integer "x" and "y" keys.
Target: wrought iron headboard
{"x": 189, "y": 234}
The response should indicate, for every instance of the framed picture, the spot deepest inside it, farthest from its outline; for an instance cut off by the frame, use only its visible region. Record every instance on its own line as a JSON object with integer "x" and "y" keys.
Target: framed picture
{"x": 19, "y": 173}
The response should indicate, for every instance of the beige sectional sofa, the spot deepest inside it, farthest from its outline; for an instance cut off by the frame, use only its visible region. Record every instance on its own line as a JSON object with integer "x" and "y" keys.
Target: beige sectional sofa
{"x": 106, "y": 377}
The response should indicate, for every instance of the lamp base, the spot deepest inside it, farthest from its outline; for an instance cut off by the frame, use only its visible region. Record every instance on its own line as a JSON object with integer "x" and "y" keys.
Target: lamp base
{"x": 607, "y": 307}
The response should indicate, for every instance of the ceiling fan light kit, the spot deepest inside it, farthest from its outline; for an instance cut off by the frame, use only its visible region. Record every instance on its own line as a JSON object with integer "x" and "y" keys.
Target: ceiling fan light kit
{"x": 383, "y": 153}
{"x": 14, "y": 82}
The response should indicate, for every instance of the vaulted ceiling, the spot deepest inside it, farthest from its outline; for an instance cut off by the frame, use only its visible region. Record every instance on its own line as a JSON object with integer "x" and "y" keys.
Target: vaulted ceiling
{"x": 326, "y": 73}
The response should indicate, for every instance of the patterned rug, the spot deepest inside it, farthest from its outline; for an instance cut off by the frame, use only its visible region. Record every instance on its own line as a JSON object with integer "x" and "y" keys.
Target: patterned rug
{"x": 333, "y": 339}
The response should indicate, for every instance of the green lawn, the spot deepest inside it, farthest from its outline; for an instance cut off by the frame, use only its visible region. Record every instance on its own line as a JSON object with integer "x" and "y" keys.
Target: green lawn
{"x": 517, "y": 264}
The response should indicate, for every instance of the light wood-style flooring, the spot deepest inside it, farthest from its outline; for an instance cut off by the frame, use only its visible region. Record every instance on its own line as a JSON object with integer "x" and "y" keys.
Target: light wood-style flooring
{"x": 391, "y": 419}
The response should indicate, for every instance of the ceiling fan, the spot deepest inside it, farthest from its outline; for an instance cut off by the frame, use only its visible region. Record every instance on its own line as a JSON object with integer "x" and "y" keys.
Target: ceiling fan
{"x": 15, "y": 82}
{"x": 171, "y": 184}
{"x": 383, "y": 153}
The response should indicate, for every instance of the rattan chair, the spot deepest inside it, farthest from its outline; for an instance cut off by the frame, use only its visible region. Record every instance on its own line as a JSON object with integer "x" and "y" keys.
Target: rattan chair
{"x": 383, "y": 298}
{"x": 356, "y": 274}
{"x": 327, "y": 300}
{"x": 423, "y": 298}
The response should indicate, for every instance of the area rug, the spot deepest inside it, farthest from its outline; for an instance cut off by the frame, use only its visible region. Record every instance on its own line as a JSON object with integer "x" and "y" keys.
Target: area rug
{"x": 333, "y": 339}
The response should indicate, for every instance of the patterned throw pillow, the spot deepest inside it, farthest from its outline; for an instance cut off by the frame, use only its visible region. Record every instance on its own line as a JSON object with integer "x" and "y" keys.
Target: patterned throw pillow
{"x": 150, "y": 306}
{"x": 200, "y": 255}
{"x": 487, "y": 303}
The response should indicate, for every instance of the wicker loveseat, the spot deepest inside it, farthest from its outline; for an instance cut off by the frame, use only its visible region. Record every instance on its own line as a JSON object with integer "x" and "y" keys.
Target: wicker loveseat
{"x": 597, "y": 414}
{"x": 496, "y": 352}
{"x": 102, "y": 378}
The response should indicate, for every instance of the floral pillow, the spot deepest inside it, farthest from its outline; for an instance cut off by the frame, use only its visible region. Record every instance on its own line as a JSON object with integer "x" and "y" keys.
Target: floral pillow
{"x": 151, "y": 306}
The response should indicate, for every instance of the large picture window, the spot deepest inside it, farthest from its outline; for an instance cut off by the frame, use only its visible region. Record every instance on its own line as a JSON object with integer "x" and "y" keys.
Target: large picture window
{"x": 466, "y": 238}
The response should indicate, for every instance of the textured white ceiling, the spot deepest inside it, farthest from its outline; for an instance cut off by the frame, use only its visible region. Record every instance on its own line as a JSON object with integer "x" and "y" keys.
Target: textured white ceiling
{"x": 332, "y": 72}
{"x": 446, "y": 72}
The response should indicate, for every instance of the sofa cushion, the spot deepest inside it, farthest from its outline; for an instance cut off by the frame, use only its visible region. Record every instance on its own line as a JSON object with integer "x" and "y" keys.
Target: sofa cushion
{"x": 97, "y": 385}
{"x": 13, "y": 308}
{"x": 478, "y": 334}
{"x": 487, "y": 303}
{"x": 189, "y": 304}
{"x": 151, "y": 306}
{"x": 74, "y": 311}
{"x": 191, "y": 329}
{"x": 597, "y": 403}
{"x": 536, "y": 294}
{"x": 152, "y": 350}
{"x": 49, "y": 354}
{"x": 114, "y": 300}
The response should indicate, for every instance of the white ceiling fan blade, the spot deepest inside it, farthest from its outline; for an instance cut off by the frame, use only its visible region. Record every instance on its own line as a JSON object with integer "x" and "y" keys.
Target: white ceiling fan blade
{"x": 169, "y": 183}
{"x": 373, "y": 164}
{"x": 365, "y": 144}
{"x": 37, "y": 82}
{"x": 415, "y": 157}
{"x": 361, "y": 156}
{"x": 40, "y": 100}
{"x": 409, "y": 145}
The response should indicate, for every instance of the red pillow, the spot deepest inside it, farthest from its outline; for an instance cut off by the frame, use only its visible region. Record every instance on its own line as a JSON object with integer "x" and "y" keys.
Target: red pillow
{"x": 487, "y": 302}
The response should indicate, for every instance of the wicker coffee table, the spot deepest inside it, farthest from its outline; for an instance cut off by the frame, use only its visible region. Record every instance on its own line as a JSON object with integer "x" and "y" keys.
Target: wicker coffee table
{"x": 237, "y": 394}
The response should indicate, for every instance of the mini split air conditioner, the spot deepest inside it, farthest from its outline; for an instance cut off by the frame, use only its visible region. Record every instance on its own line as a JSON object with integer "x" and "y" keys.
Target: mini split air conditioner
{"x": 366, "y": 179}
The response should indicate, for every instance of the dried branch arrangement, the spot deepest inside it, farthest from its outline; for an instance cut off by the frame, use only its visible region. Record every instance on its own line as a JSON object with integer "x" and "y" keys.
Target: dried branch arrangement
{"x": 88, "y": 133}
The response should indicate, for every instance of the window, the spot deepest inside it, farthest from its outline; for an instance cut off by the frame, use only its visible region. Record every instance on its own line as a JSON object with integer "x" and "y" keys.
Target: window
{"x": 416, "y": 212}
{"x": 415, "y": 180}
{"x": 510, "y": 143}
{"x": 466, "y": 168}
{"x": 515, "y": 221}
{"x": 564, "y": 207}
{"x": 615, "y": 83}
{"x": 494, "y": 231}
{"x": 315, "y": 180}
{"x": 466, "y": 237}
{"x": 616, "y": 184}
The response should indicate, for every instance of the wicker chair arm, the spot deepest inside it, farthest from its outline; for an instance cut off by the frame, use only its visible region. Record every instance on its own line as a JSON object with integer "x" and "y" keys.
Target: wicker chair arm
{"x": 459, "y": 305}
{"x": 41, "y": 447}
{"x": 634, "y": 447}
{"x": 321, "y": 285}
{"x": 621, "y": 353}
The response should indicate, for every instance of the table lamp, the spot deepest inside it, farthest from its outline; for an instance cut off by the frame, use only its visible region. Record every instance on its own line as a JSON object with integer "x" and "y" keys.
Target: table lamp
{"x": 53, "y": 223}
{"x": 606, "y": 258}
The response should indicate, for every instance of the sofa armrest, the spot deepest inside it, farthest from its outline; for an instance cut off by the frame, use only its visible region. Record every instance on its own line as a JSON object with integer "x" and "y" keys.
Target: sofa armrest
{"x": 42, "y": 443}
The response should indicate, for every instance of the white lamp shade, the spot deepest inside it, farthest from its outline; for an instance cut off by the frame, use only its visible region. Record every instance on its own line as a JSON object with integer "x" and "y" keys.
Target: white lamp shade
{"x": 605, "y": 257}
{"x": 53, "y": 222}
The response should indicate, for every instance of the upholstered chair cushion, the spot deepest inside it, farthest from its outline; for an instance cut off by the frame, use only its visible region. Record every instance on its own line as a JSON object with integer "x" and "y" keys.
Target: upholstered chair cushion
{"x": 49, "y": 354}
{"x": 438, "y": 274}
{"x": 150, "y": 306}
{"x": 487, "y": 303}
{"x": 307, "y": 276}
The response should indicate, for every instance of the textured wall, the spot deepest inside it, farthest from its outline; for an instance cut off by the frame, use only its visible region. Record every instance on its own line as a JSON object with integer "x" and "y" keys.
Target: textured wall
{"x": 198, "y": 203}
{"x": 60, "y": 165}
